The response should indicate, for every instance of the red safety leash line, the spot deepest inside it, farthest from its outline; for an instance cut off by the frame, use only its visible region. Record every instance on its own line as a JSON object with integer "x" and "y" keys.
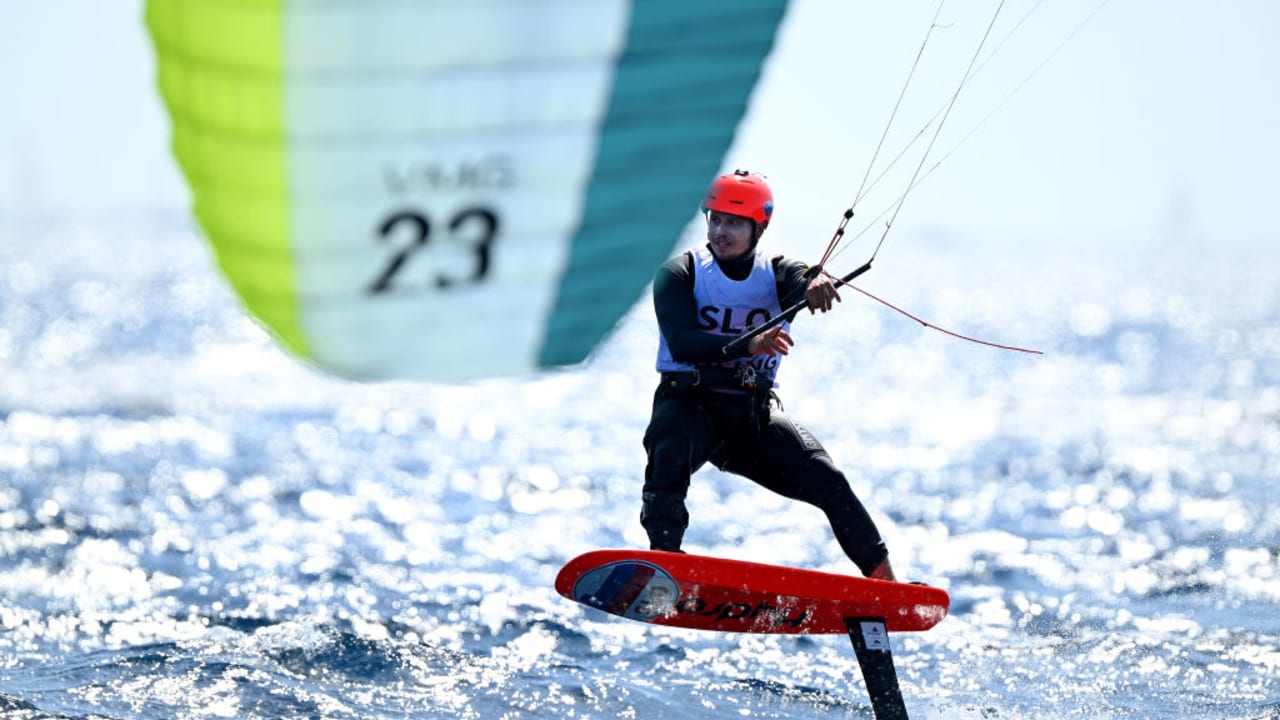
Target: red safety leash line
{"x": 927, "y": 324}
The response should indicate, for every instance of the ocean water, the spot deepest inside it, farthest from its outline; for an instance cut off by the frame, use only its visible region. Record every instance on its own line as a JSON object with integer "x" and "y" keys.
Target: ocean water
{"x": 194, "y": 525}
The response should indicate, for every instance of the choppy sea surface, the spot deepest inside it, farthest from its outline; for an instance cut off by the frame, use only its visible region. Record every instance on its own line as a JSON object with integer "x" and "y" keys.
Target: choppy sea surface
{"x": 193, "y": 524}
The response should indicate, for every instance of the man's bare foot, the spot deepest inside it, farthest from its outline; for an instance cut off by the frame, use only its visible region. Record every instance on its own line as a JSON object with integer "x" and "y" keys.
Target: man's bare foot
{"x": 883, "y": 571}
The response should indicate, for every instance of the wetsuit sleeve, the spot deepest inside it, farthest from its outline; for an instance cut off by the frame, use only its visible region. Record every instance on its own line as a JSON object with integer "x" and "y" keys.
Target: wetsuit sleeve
{"x": 677, "y": 312}
{"x": 791, "y": 280}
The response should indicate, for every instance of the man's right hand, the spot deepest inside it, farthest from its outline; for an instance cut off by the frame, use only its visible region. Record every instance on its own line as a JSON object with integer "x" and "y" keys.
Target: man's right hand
{"x": 774, "y": 341}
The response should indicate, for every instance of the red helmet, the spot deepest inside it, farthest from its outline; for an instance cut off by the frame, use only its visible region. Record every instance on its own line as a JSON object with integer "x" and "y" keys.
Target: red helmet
{"x": 741, "y": 193}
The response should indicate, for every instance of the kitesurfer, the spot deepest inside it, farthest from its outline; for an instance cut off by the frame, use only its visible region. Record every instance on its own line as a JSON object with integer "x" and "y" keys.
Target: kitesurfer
{"x": 718, "y": 408}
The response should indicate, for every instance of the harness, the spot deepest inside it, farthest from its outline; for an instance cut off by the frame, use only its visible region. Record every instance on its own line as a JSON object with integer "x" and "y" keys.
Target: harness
{"x": 741, "y": 382}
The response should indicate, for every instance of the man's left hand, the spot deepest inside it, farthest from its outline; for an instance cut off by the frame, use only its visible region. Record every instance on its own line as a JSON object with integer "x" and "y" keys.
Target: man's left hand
{"x": 821, "y": 293}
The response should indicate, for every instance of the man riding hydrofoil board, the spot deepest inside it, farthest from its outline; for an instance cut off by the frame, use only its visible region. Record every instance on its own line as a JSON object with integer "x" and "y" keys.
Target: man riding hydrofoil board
{"x": 720, "y": 408}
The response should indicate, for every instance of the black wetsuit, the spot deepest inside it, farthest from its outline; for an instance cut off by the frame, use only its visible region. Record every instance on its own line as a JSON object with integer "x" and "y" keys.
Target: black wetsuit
{"x": 712, "y": 417}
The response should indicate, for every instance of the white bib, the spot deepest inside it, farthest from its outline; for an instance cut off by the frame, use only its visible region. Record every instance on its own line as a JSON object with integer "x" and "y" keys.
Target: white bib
{"x": 730, "y": 307}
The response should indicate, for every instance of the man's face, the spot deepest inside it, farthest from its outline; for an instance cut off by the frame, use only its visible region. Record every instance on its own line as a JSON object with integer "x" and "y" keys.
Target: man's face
{"x": 730, "y": 236}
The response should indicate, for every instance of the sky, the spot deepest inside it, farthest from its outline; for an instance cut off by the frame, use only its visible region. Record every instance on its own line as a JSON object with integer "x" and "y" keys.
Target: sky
{"x": 1154, "y": 123}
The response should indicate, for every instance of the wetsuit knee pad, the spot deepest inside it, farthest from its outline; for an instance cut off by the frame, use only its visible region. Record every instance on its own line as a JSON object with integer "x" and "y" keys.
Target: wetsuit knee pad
{"x": 670, "y": 466}
{"x": 662, "y": 507}
{"x": 664, "y": 517}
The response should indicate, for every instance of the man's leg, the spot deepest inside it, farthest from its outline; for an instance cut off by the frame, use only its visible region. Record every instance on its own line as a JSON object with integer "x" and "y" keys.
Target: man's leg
{"x": 788, "y": 460}
{"x": 678, "y": 440}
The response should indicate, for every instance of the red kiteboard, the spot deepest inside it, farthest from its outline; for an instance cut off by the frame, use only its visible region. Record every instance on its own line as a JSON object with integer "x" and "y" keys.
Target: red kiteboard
{"x": 706, "y": 593}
